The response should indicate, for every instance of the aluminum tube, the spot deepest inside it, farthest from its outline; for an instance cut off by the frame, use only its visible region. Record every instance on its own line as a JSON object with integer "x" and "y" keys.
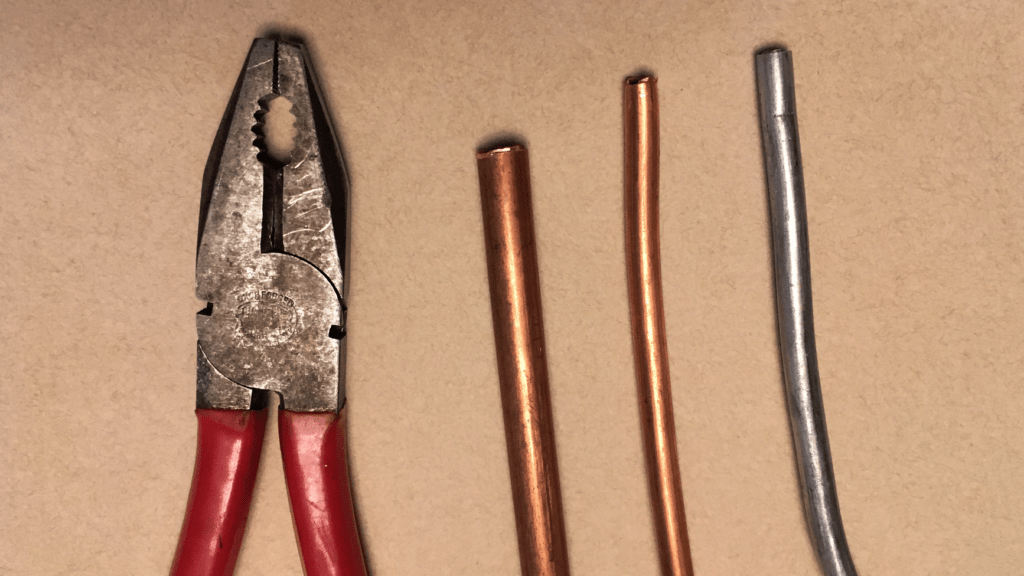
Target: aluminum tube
{"x": 647, "y": 319}
{"x": 796, "y": 323}
{"x": 522, "y": 365}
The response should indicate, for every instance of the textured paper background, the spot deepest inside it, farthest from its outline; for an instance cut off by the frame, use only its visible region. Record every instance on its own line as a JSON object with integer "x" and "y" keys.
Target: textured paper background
{"x": 911, "y": 116}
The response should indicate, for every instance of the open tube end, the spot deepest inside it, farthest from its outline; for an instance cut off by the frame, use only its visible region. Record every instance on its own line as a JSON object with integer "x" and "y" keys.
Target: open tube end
{"x": 640, "y": 86}
{"x": 499, "y": 149}
{"x": 775, "y": 81}
{"x": 770, "y": 49}
{"x": 637, "y": 80}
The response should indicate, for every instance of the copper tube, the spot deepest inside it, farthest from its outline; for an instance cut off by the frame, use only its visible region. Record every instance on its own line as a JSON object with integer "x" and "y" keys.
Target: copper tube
{"x": 522, "y": 365}
{"x": 647, "y": 317}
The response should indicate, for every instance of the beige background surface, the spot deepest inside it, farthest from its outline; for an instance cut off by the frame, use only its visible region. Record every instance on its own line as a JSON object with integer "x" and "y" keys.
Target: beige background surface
{"x": 911, "y": 117}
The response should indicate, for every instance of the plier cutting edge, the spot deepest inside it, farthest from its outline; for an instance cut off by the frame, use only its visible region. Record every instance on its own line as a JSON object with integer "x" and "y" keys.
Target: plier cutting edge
{"x": 272, "y": 265}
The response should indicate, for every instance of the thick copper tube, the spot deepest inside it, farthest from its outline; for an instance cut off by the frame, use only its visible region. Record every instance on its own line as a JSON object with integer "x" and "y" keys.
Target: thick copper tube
{"x": 522, "y": 365}
{"x": 647, "y": 317}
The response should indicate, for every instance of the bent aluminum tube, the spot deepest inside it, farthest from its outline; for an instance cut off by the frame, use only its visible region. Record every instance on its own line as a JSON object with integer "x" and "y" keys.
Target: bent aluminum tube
{"x": 647, "y": 319}
{"x": 522, "y": 365}
{"x": 796, "y": 323}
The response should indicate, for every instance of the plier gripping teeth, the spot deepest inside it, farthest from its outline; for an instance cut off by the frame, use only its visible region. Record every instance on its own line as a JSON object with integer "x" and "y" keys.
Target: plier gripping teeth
{"x": 271, "y": 264}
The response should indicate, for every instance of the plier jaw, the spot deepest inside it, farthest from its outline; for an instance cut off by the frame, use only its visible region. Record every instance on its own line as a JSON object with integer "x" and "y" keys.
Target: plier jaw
{"x": 272, "y": 250}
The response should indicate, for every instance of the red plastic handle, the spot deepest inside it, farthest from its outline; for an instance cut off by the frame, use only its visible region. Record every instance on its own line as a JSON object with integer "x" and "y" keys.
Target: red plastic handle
{"x": 227, "y": 456}
{"x": 316, "y": 469}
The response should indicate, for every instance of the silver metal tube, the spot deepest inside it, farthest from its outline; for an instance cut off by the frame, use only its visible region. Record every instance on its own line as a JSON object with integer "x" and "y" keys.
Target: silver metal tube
{"x": 796, "y": 322}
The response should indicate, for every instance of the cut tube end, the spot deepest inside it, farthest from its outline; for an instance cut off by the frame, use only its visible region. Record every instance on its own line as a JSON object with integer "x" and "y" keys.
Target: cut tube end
{"x": 640, "y": 86}
{"x": 499, "y": 150}
{"x": 635, "y": 80}
{"x": 771, "y": 49}
{"x": 775, "y": 82}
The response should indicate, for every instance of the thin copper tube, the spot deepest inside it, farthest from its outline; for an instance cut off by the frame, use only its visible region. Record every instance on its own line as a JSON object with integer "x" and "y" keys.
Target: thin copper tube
{"x": 647, "y": 317}
{"x": 522, "y": 365}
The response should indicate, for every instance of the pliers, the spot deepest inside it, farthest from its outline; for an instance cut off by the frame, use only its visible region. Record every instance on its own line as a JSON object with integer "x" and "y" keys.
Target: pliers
{"x": 271, "y": 264}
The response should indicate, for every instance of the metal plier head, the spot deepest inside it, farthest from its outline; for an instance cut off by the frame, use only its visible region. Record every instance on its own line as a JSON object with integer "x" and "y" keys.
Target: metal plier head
{"x": 272, "y": 255}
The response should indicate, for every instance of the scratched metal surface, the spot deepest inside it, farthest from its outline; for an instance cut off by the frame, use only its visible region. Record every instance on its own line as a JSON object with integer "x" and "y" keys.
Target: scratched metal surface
{"x": 269, "y": 260}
